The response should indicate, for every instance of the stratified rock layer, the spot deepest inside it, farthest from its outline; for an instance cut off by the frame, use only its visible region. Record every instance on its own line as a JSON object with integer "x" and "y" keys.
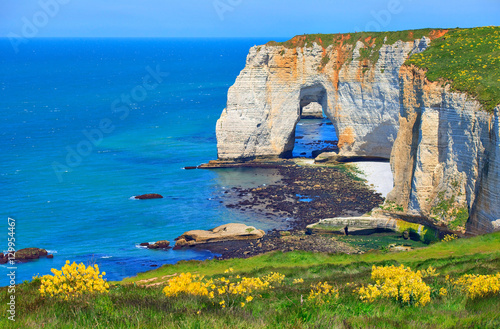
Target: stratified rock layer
{"x": 446, "y": 158}
{"x": 360, "y": 98}
{"x": 444, "y": 148}
{"x": 312, "y": 111}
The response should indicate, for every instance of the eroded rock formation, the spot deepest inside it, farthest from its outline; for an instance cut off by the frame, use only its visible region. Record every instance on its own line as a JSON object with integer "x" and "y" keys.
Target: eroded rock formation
{"x": 444, "y": 148}
{"x": 360, "y": 97}
{"x": 446, "y": 159}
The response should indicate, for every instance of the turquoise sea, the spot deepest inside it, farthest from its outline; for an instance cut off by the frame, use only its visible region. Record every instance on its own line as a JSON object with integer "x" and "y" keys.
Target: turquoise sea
{"x": 88, "y": 123}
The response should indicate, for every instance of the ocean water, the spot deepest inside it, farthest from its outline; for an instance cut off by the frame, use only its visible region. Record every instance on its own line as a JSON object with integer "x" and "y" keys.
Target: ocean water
{"x": 88, "y": 123}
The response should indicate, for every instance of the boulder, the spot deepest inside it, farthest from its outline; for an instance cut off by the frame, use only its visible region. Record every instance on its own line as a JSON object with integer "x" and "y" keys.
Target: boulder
{"x": 149, "y": 196}
{"x": 226, "y": 232}
{"x": 24, "y": 255}
{"x": 163, "y": 244}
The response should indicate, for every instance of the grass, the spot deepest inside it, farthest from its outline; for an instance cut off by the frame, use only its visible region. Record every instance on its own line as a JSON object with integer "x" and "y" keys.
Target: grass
{"x": 352, "y": 171}
{"x": 326, "y": 40}
{"x": 373, "y": 41}
{"x": 379, "y": 241}
{"x": 128, "y": 305}
{"x": 469, "y": 59}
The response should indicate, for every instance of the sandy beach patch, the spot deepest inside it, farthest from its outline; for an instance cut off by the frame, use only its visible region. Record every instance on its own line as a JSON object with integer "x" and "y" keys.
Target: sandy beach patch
{"x": 378, "y": 175}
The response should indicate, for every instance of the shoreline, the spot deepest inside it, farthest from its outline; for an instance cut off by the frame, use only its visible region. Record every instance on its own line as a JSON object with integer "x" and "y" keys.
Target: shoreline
{"x": 306, "y": 193}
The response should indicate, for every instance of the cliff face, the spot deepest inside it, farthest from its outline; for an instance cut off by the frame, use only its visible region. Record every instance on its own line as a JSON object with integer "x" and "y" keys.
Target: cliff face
{"x": 359, "y": 97}
{"x": 446, "y": 157}
{"x": 444, "y": 148}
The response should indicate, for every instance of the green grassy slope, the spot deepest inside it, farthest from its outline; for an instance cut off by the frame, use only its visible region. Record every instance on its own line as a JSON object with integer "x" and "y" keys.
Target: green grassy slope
{"x": 469, "y": 59}
{"x": 131, "y": 306}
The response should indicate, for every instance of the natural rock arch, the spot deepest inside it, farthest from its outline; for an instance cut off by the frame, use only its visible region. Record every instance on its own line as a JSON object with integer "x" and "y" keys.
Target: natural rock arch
{"x": 307, "y": 95}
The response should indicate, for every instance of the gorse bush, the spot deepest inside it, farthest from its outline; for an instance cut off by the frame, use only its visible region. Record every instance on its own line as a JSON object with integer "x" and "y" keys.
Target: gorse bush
{"x": 187, "y": 283}
{"x": 429, "y": 272}
{"x": 73, "y": 280}
{"x": 225, "y": 290}
{"x": 476, "y": 286}
{"x": 398, "y": 283}
{"x": 450, "y": 237}
{"x": 322, "y": 292}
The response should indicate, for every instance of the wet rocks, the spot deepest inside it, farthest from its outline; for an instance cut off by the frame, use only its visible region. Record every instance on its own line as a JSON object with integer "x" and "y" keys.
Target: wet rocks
{"x": 328, "y": 192}
{"x": 23, "y": 255}
{"x": 277, "y": 241}
{"x": 162, "y": 244}
{"x": 149, "y": 196}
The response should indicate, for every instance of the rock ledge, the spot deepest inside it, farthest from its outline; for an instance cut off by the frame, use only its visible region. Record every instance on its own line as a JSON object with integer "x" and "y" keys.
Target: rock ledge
{"x": 226, "y": 232}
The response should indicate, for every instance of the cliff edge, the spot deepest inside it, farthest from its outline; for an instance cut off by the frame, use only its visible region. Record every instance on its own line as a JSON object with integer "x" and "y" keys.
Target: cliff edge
{"x": 426, "y": 99}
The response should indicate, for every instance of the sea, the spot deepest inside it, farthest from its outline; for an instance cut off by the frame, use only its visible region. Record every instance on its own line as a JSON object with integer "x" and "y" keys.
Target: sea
{"x": 87, "y": 124}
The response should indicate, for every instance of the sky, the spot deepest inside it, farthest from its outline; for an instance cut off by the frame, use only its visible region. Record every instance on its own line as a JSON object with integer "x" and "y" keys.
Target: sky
{"x": 234, "y": 18}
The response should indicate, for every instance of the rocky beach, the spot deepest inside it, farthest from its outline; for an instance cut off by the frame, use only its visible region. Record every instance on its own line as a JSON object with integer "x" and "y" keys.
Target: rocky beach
{"x": 304, "y": 194}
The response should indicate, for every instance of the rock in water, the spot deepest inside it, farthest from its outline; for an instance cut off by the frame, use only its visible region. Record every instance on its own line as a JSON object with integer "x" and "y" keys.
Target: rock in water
{"x": 226, "y": 232}
{"x": 163, "y": 244}
{"x": 149, "y": 196}
{"x": 25, "y": 254}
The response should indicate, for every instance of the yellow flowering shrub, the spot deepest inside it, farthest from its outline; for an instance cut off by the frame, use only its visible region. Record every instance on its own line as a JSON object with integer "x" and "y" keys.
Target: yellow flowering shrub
{"x": 429, "y": 272}
{"x": 73, "y": 280}
{"x": 450, "y": 237}
{"x": 225, "y": 290}
{"x": 398, "y": 283}
{"x": 186, "y": 283}
{"x": 476, "y": 286}
{"x": 322, "y": 292}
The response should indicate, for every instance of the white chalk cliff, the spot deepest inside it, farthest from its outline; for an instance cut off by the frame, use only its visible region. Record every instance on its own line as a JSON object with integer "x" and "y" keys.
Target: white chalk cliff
{"x": 444, "y": 149}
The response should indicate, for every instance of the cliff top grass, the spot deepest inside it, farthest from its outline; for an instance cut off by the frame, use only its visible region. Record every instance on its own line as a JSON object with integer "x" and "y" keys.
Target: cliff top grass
{"x": 373, "y": 41}
{"x": 469, "y": 59}
{"x": 372, "y": 38}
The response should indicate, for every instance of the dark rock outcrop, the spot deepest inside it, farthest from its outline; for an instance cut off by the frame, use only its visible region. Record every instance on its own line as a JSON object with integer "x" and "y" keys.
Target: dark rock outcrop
{"x": 25, "y": 254}
{"x": 163, "y": 244}
{"x": 149, "y": 196}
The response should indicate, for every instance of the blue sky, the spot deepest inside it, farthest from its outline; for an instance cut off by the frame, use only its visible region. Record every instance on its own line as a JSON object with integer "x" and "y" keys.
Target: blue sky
{"x": 234, "y": 18}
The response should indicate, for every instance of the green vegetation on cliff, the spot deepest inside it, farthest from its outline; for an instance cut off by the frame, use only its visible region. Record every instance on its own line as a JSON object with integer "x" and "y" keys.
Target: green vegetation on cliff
{"x": 469, "y": 59}
{"x": 373, "y": 41}
{"x": 128, "y": 305}
{"x": 377, "y": 38}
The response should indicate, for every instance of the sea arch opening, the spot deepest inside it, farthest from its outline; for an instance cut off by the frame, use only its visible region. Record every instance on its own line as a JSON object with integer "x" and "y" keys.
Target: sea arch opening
{"x": 314, "y": 133}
